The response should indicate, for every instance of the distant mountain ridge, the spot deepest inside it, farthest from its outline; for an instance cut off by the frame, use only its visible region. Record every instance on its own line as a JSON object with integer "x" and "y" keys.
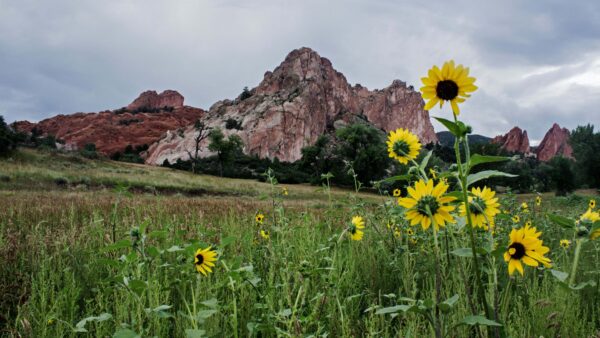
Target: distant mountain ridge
{"x": 446, "y": 138}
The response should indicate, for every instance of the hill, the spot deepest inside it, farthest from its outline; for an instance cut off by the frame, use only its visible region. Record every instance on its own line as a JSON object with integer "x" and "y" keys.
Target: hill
{"x": 446, "y": 138}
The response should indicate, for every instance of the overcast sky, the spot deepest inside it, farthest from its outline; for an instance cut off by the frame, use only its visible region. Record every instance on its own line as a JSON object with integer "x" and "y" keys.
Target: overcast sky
{"x": 536, "y": 61}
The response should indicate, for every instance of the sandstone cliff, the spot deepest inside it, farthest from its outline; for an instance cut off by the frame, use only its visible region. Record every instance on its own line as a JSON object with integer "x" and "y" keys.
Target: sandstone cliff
{"x": 516, "y": 141}
{"x": 144, "y": 121}
{"x": 294, "y": 104}
{"x": 555, "y": 143}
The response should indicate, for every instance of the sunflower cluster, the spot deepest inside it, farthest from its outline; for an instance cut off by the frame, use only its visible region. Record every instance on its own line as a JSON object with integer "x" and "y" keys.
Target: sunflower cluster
{"x": 526, "y": 247}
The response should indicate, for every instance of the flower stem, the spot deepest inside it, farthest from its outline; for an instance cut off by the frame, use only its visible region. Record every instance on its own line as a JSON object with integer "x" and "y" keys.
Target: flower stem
{"x": 575, "y": 261}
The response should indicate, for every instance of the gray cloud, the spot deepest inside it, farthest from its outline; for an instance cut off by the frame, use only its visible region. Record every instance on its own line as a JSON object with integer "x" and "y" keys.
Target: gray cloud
{"x": 537, "y": 62}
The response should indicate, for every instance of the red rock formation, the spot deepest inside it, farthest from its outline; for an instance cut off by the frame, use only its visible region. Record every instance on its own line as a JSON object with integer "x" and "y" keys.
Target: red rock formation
{"x": 555, "y": 143}
{"x": 112, "y": 131}
{"x": 151, "y": 100}
{"x": 296, "y": 103}
{"x": 515, "y": 141}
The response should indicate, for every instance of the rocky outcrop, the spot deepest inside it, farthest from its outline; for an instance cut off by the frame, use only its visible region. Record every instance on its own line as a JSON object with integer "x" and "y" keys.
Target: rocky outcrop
{"x": 113, "y": 131}
{"x": 555, "y": 143}
{"x": 303, "y": 98}
{"x": 151, "y": 100}
{"x": 515, "y": 141}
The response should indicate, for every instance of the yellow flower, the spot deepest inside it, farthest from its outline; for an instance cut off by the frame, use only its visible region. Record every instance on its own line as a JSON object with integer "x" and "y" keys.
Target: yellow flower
{"x": 397, "y": 232}
{"x": 50, "y": 321}
{"x": 427, "y": 204}
{"x": 451, "y": 83}
{"x": 516, "y": 219}
{"x": 590, "y": 217}
{"x": 433, "y": 173}
{"x": 356, "y": 233}
{"x": 284, "y": 191}
{"x": 592, "y": 204}
{"x": 396, "y": 193}
{"x": 524, "y": 207}
{"x": 410, "y": 232}
{"x": 264, "y": 234}
{"x": 204, "y": 260}
{"x": 525, "y": 247}
{"x": 483, "y": 207}
{"x": 528, "y": 224}
{"x": 260, "y": 218}
{"x": 413, "y": 241}
{"x": 403, "y": 145}
{"x": 565, "y": 243}
{"x": 538, "y": 201}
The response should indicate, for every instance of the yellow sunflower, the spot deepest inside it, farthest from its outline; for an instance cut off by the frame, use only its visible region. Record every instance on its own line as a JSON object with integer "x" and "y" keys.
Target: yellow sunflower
{"x": 565, "y": 243}
{"x": 590, "y": 217}
{"x": 451, "y": 83}
{"x": 396, "y": 193}
{"x": 427, "y": 203}
{"x": 284, "y": 191}
{"x": 410, "y": 232}
{"x": 516, "y": 219}
{"x": 403, "y": 145}
{"x": 356, "y": 233}
{"x": 483, "y": 206}
{"x": 524, "y": 207}
{"x": 397, "y": 233}
{"x": 592, "y": 204}
{"x": 525, "y": 247}
{"x": 260, "y": 218}
{"x": 265, "y": 234}
{"x": 204, "y": 260}
{"x": 538, "y": 201}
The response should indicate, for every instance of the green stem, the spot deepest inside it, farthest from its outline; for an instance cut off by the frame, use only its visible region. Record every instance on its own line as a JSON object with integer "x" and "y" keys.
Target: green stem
{"x": 575, "y": 261}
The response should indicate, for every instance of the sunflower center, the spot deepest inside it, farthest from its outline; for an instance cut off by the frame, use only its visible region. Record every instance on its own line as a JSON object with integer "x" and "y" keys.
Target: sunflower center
{"x": 200, "y": 259}
{"x": 516, "y": 250}
{"x": 428, "y": 205}
{"x": 447, "y": 90}
{"x": 477, "y": 206}
{"x": 401, "y": 148}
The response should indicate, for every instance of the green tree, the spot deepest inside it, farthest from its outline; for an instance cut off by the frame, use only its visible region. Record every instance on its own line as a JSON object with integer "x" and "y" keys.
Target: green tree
{"x": 225, "y": 148}
{"x": 586, "y": 150}
{"x": 8, "y": 139}
{"x": 562, "y": 175}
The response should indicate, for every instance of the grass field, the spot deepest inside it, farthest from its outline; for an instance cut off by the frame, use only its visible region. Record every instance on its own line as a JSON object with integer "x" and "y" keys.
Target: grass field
{"x": 83, "y": 256}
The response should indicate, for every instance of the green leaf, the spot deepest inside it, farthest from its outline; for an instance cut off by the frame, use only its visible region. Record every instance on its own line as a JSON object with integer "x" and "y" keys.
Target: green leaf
{"x": 425, "y": 161}
{"x": 225, "y": 241}
{"x": 561, "y": 276}
{"x": 211, "y": 303}
{"x": 122, "y": 244}
{"x": 395, "y": 309}
{"x": 175, "y": 248}
{"x": 451, "y": 126}
{"x": 583, "y": 285}
{"x": 477, "y": 159}
{"x": 449, "y": 303}
{"x": 482, "y": 175}
{"x": 126, "y": 333}
{"x": 191, "y": 333}
{"x": 204, "y": 314}
{"x": 463, "y": 252}
{"x": 136, "y": 286}
{"x": 478, "y": 320}
{"x": 562, "y": 221}
{"x": 80, "y": 327}
{"x": 285, "y": 313}
{"x": 397, "y": 178}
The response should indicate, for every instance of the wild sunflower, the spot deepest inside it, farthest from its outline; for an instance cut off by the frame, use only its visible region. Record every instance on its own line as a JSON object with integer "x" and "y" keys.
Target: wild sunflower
{"x": 516, "y": 219}
{"x": 565, "y": 243}
{"x": 396, "y": 193}
{"x": 592, "y": 204}
{"x": 403, "y": 145}
{"x": 525, "y": 247}
{"x": 483, "y": 207}
{"x": 528, "y": 224}
{"x": 451, "y": 83}
{"x": 204, "y": 260}
{"x": 591, "y": 217}
{"x": 524, "y": 207}
{"x": 397, "y": 233}
{"x": 265, "y": 234}
{"x": 410, "y": 232}
{"x": 260, "y": 218}
{"x": 433, "y": 173}
{"x": 356, "y": 233}
{"x": 427, "y": 203}
{"x": 538, "y": 201}
{"x": 284, "y": 191}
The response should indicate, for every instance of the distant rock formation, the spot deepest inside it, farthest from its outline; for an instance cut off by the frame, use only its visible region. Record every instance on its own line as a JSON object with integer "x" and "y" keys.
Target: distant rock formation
{"x": 151, "y": 100}
{"x": 300, "y": 100}
{"x": 555, "y": 143}
{"x": 515, "y": 141}
{"x": 144, "y": 121}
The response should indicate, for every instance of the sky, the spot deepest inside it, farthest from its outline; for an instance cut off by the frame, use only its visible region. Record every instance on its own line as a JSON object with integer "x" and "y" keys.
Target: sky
{"x": 536, "y": 61}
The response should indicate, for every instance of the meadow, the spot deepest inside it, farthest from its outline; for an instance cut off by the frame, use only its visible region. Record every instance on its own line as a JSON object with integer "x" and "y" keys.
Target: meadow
{"x": 87, "y": 257}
